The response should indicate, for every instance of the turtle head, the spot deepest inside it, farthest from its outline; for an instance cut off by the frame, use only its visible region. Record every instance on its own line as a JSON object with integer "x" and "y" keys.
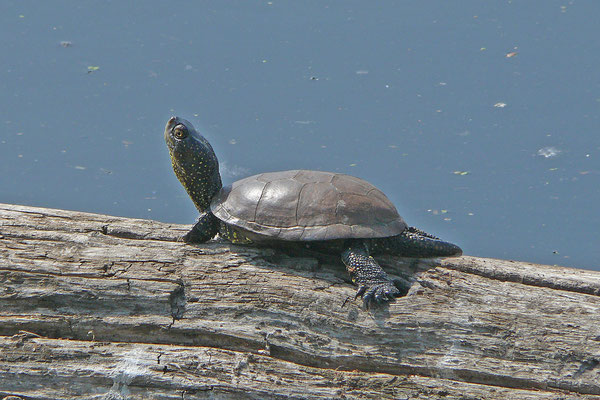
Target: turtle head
{"x": 194, "y": 161}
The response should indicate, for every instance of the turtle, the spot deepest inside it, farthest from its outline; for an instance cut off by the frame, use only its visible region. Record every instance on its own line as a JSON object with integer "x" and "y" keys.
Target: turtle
{"x": 331, "y": 212}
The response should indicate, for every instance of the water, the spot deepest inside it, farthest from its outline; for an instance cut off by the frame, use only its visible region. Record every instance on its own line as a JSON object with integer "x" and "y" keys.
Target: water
{"x": 478, "y": 119}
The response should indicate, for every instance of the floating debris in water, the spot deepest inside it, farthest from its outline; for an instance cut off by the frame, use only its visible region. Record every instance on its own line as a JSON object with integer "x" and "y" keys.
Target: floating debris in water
{"x": 548, "y": 151}
{"x": 66, "y": 43}
{"x": 511, "y": 54}
{"x": 437, "y": 212}
{"x": 461, "y": 173}
{"x": 362, "y": 72}
{"x": 92, "y": 68}
{"x": 500, "y": 105}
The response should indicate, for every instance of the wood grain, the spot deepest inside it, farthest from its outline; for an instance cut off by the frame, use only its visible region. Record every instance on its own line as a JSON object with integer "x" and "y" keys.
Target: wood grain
{"x": 95, "y": 306}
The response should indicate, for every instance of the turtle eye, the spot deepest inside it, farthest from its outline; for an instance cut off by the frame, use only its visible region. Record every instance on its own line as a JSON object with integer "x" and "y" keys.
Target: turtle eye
{"x": 180, "y": 132}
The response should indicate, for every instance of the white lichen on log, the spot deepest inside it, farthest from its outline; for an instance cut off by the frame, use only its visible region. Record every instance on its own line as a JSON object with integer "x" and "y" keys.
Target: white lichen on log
{"x": 94, "y": 306}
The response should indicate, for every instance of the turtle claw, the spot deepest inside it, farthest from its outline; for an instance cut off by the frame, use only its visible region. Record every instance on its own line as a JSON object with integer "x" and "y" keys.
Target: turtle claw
{"x": 361, "y": 290}
{"x": 379, "y": 293}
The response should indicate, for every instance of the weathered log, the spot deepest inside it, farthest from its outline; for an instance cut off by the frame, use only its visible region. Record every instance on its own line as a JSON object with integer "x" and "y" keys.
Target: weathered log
{"x": 94, "y": 306}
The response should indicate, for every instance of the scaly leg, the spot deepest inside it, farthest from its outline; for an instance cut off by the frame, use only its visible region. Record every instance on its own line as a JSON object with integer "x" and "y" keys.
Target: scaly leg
{"x": 205, "y": 229}
{"x": 374, "y": 285}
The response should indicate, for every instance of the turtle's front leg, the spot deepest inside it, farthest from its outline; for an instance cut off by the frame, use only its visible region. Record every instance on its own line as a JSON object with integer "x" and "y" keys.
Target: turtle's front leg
{"x": 205, "y": 229}
{"x": 374, "y": 285}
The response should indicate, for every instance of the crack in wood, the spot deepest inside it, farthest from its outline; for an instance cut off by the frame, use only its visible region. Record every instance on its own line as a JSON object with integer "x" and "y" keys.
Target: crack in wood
{"x": 517, "y": 272}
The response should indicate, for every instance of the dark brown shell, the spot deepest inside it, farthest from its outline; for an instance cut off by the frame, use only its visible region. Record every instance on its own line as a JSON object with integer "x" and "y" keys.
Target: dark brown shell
{"x": 308, "y": 205}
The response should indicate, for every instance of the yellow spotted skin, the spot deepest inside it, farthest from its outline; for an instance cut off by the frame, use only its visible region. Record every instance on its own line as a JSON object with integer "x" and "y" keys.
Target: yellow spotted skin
{"x": 194, "y": 162}
{"x": 197, "y": 168}
{"x": 233, "y": 235}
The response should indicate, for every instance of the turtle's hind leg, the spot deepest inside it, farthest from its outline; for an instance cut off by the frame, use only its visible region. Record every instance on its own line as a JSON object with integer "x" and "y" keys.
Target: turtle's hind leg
{"x": 374, "y": 285}
{"x": 414, "y": 242}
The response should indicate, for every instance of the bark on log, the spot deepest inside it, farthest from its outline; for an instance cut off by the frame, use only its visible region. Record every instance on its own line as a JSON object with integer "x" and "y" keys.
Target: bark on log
{"x": 101, "y": 307}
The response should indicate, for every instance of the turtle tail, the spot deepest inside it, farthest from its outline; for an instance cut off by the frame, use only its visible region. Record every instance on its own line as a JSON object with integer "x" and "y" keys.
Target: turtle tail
{"x": 414, "y": 242}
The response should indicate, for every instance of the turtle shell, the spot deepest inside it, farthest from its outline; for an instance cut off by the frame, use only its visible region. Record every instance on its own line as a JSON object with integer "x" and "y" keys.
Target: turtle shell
{"x": 305, "y": 205}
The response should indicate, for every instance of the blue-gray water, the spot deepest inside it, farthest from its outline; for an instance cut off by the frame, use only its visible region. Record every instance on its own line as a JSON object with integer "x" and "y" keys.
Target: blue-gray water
{"x": 478, "y": 119}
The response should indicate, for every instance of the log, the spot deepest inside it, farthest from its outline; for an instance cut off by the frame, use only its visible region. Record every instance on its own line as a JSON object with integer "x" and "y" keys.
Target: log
{"x": 102, "y": 307}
